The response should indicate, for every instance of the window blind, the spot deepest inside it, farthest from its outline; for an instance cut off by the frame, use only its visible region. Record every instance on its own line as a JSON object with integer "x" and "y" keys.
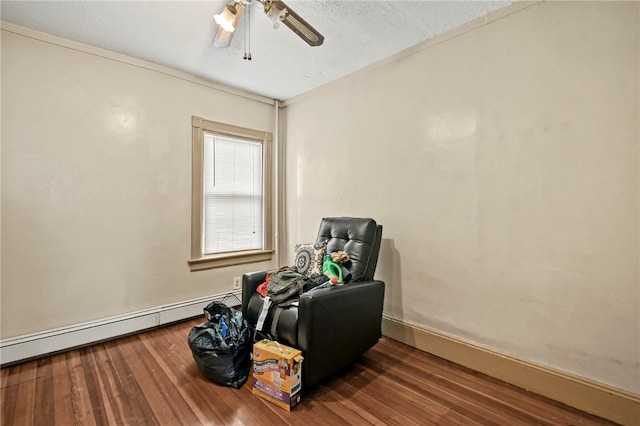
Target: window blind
{"x": 233, "y": 195}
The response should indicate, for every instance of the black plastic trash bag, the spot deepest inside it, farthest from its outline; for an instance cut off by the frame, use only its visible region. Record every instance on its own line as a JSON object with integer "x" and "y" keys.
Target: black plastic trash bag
{"x": 222, "y": 346}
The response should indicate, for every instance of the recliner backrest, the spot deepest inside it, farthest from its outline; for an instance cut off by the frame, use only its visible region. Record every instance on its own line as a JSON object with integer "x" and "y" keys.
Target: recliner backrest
{"x": 360, "y": 237}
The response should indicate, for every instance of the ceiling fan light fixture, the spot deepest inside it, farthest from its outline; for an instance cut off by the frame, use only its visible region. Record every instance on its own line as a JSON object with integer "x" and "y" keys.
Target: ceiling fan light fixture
{"x": 227, "y": 21}
{"x": 228, "y": 18}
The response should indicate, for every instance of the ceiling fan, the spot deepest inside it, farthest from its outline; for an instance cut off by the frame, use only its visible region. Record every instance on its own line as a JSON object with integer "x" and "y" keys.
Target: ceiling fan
{"x": 278, "y": 11}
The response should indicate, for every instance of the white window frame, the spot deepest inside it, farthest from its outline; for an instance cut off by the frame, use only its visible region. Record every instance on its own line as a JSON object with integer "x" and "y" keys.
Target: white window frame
{"x": 200, "y": 260}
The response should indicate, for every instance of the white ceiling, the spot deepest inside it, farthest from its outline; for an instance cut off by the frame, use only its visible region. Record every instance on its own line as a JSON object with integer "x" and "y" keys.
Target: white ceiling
{"x": 179, "y": 34}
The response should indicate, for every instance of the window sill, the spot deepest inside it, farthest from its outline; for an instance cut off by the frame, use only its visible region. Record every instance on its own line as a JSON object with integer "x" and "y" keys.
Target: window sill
{"x": 229, "y": 259}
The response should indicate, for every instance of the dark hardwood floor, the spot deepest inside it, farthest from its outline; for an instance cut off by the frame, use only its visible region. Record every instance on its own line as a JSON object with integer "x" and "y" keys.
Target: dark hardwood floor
{"x": 151, "y": 378}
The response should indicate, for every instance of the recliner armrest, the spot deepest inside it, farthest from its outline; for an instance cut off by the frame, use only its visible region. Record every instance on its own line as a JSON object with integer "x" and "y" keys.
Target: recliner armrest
{"x": 250, "y": 282}
{"x": 338, "y": 324}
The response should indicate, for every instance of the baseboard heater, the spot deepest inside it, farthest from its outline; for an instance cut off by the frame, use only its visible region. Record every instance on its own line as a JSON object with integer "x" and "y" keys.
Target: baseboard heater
{"x": 35, "y": 345}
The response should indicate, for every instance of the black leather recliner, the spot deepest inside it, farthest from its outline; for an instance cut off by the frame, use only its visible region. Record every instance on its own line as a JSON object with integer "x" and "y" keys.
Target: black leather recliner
{"x": 331, "y": 326}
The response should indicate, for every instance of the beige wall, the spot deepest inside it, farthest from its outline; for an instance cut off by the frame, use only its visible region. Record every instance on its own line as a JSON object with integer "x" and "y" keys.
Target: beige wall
{"x": 96, "y": 183}
{"x": 503, "y": 163}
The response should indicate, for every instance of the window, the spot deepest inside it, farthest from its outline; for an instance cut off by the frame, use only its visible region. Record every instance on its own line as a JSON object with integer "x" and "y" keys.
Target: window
{"x": 231, "y": 195}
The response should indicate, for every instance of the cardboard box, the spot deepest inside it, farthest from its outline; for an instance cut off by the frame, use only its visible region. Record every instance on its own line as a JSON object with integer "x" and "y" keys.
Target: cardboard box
{"x": 277, "y": 373}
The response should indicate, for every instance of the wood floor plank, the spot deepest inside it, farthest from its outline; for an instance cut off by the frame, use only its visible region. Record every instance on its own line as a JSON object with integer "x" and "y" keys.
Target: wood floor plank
{"x": 80, "y": 399}
{"x": 163, "y": 398}
{"x": 343, "y": 413}
{"x": 61, "y": 391}
{"x": 102, "y": 410}
{"x": 424, "y": 401}
{"x": 152, "y": 379}
{"x": 493, "y": 393}
{"x": 431, "y": 413}
{"x": 382, "y": 400}
{"x": 19, "y": 374}
{"x": 184, "y": 376}
{"x": 475, "y": 406}
{"x": 43, "y": 410}
{"x": 22, "y": 411}
{"x": 8, "y": 400}
{"x": 359, "y": 406}
{"x": 171, "y": 383}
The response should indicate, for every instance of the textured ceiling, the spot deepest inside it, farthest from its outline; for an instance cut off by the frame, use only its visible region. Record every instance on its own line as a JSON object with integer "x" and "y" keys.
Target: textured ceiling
{"x": 179, "y": 34}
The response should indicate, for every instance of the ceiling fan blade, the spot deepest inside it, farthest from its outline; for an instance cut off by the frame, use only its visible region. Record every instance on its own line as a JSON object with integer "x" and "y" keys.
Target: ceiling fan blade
{"x": 234, "y": 12}
{"x": 295, "y": 23}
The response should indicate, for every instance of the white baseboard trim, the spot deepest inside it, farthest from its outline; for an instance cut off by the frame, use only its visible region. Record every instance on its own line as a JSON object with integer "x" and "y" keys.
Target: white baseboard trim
{"x": 589, "y": 396}
{"x": 21, "y": 348}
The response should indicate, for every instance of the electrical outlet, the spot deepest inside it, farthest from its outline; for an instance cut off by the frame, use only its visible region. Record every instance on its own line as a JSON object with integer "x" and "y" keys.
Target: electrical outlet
{"x": 236, "y": 283}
